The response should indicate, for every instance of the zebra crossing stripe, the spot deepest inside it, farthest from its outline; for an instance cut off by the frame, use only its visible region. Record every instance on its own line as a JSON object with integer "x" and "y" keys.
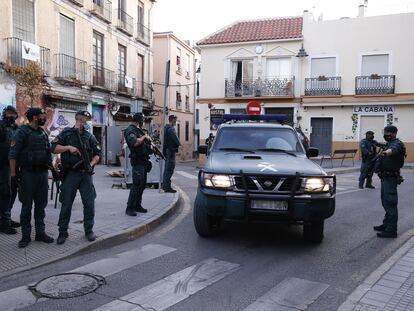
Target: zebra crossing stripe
{"x": 173, "y": 288}
{"x": 21, "y": 297}
{"x": 291, "y": 294}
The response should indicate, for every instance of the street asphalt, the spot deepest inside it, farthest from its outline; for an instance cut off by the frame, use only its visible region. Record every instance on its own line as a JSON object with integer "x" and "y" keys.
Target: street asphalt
{"x": 243, "y": 269}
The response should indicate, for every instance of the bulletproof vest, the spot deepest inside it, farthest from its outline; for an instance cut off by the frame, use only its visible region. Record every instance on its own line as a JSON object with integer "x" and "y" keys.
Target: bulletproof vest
{"x": 141, "y": 153}
{"x": 36, "y": 151}
{"x": 5, "y": 138}
{"x": 71, "y": 139}
{"x": 396, "y": 161}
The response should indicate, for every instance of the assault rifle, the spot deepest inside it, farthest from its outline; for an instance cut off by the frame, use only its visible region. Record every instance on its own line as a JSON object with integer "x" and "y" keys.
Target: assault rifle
{"x": 374, "y": 163}
{"x": 158, "y": 153}
{"x": 85, "y": 159}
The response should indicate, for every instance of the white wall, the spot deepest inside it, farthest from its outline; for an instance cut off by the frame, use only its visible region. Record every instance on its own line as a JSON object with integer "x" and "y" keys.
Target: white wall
{"x": 348, "y": 39}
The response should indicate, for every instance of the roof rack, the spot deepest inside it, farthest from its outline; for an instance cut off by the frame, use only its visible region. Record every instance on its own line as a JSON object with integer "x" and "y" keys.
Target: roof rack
{"x": 233, "y": 118}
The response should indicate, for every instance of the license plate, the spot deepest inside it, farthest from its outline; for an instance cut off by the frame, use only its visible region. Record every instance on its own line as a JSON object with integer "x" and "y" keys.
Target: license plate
{"x": 270, "y": 205}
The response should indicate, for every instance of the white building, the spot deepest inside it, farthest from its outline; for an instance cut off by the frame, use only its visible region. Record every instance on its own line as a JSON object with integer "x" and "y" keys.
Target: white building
{"x": 355, "y": 75}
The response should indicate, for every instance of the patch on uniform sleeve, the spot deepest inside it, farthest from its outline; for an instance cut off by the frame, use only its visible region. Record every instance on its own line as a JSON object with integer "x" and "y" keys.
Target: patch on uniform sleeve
{"x": 132, "y": 135}
{"x": 12, "y": 143}
{"x": 98, "y": 147}
{"x": 56, "y": 140}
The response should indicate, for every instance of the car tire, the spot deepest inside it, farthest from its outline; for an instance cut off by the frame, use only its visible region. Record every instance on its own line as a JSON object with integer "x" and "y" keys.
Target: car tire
{"x": 313, "y": 232}
{"x": 206, "y": 225}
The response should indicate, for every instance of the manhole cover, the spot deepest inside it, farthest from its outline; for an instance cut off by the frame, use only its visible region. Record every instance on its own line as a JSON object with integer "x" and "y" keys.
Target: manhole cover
{"x": 67, "y": 285}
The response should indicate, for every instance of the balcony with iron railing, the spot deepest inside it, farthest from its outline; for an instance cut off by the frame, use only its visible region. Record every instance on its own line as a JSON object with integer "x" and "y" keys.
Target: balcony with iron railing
{"x": 282, "y": 86}
{"x": 123, "y": 88}
{"x": 77, "y": 2}
{"x": 375, "y": 85}
{"x": 102, "y": 78}
{"x": 143, "y": 90}
{"x": 102, "y": 9}
{"x": 14, "y": 55}
{"x": 143, "y": 34}
{"x": 70, "y": 69}
{"x": 124, "y": 22}
{"x": 323, "y": 86}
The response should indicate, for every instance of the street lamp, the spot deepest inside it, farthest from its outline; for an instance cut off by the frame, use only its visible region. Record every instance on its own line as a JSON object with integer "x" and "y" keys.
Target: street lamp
{"x": 301, "y": 55}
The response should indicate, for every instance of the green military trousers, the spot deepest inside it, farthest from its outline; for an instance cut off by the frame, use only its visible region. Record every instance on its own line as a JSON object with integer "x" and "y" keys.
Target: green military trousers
{"x": 74, "y": 181}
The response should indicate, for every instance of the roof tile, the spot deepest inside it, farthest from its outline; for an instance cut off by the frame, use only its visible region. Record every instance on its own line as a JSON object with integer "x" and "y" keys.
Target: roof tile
{"x": 257, "y": 30}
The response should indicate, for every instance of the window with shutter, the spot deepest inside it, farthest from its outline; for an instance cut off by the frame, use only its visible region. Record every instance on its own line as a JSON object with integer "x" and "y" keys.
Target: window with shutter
{"x": 23, "y": 20}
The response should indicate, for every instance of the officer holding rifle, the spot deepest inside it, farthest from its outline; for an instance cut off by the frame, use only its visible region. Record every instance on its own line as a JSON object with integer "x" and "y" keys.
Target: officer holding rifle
{"x": 79, "y": 154}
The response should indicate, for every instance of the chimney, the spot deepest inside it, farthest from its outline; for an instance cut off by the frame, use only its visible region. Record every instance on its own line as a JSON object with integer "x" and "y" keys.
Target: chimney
{"x": 307, "y": 16}
{"x": 361, "y": 10}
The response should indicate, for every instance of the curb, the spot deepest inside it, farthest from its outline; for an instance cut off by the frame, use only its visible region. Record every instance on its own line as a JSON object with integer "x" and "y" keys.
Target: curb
{"x": 110, "y": 239}
{"x": 352, "y": 300}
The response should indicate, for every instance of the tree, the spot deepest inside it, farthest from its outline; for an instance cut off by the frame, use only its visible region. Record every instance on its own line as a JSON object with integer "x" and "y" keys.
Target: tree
{"x": 30, "y": 78}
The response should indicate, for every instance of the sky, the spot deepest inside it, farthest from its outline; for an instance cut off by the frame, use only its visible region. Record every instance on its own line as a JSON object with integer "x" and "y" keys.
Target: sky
{"x": 195, "y": 19}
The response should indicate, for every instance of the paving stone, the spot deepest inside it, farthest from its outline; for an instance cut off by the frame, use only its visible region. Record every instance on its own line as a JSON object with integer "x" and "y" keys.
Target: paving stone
{"x": 110, "y": 218}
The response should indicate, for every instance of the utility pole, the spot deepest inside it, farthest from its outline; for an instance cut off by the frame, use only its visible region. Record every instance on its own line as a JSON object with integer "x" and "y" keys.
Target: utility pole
{"x": 164, "y": 117}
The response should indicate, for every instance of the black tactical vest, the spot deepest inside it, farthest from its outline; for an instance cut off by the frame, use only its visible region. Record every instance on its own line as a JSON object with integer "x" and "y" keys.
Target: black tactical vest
{"x": 36, "y": 151}
{"x": 140, "y": 154}
{"x": 71, "y": 139}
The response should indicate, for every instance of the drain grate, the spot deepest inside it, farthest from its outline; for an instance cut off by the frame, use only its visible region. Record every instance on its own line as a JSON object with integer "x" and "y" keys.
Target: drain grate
{"x": 67, "y": 285}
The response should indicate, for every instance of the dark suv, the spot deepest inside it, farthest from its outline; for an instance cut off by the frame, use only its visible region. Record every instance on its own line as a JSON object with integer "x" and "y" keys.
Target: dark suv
{"x": 260, "y": 172}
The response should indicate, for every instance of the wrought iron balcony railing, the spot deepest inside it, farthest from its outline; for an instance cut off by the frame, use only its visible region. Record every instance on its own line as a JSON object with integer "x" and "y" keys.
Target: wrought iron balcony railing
{"x": 14, "y": 55}
{"x": 102, "y": 9}
{"x": 125, "y": 22}
{"x": 71, "y": 69}
{"x": 102, "y": 78}
{"x": 269, "y": 86}
{"x": 143, "y": 34}
{"x": 77, "y": 2}
{"x": 122, "y": 88}
{"x": 143, "y": 90}
{"x": 323, "y": 86}
{"x": 375, "y": 85}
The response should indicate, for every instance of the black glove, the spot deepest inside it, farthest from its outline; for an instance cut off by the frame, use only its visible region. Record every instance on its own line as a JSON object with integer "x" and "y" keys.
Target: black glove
{"x": 14, "y": 182}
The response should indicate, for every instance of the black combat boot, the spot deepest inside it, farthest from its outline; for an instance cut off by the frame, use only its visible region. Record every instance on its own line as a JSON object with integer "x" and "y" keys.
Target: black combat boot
{"x": 8, "y": 230}
{"x": 130, "y": 212}
{"x": 15, "y": 224}
{"x": 380, "y": 228}
{"x": 24, "y": 241}
{"x": 43, "y": 237}
{"x": 140, "y": 209}
{"x": 62, "y": 237}
{"x": 387, "y": 234}
{"x": 90, "y": 236}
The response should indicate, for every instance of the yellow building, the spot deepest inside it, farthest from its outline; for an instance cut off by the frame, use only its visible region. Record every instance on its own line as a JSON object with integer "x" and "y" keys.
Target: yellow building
{"x": 181, "y": 92}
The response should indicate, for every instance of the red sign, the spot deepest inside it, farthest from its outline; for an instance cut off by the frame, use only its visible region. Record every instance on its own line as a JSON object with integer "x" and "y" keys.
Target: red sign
{"x": 254, "y": 108}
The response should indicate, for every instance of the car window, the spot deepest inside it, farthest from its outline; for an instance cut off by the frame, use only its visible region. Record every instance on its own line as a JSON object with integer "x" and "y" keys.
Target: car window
{"x": 254, "y": 138}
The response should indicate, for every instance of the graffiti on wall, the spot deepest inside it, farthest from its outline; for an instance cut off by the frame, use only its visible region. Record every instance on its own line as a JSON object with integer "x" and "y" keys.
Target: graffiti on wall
{"x": 7, "y": 90}
{"x": 61, "y": 120}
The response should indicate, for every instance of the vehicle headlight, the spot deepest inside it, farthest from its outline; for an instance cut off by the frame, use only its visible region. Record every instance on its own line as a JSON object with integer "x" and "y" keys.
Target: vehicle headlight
{"x": 216, "y": 181}
{"x": 318, "y": 185}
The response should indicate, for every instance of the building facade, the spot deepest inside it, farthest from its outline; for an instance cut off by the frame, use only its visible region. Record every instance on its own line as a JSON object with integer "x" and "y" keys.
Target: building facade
{"x": 250, "y": 61}
{"x": 181, "y": 91}
{"x": 357, "y": 77}
{"x": 353, "y": 75}
{"x": 94, "y": 55}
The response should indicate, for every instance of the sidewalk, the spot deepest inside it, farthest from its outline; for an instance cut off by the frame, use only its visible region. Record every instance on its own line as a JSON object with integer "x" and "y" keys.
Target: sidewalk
{"x": 111, "y": 225}
{"x": 390, "y": 287}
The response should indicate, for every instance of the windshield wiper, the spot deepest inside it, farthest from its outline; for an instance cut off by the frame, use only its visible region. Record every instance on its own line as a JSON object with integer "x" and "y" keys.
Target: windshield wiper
{"x": 276, "y": 150}
{"x": 236, "y": 149}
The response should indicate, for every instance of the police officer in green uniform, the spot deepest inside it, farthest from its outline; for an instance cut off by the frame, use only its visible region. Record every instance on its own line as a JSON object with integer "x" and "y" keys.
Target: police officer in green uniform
{"x": 76, "y": 175}
{"x": 392, "y": 159}
{"x": 170, "y": 148}
{"x": 368, "y": 152}
{"x": 140, "y": 150}
{"x": 30, "y": 150}
{"x": 7, "y": 129}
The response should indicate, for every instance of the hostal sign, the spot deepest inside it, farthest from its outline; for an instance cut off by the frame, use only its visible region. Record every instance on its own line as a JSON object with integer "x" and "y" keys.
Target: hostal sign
{"x": 373, "y": 109}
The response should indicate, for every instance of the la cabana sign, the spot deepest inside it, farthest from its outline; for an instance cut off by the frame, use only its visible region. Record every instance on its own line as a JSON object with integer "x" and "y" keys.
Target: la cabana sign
{"x": 374, "y": 109}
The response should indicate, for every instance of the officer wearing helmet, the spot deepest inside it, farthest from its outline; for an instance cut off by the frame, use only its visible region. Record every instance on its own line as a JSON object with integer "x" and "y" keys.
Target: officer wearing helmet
{"x": 30, "y": 150}
{"x": 76, "y": 176}
{"x": 7, "y": 129}
{"x": 391, "y": 161}
{"x": 140, "y": 150}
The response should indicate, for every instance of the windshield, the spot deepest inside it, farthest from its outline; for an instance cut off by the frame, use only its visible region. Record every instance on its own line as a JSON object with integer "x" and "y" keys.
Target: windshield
{"x": 255, "y": 138}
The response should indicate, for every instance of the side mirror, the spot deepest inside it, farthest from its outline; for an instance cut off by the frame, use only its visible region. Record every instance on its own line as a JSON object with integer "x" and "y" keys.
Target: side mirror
{"x": 312, "y": 152}
{"x": 202, "y": 149}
